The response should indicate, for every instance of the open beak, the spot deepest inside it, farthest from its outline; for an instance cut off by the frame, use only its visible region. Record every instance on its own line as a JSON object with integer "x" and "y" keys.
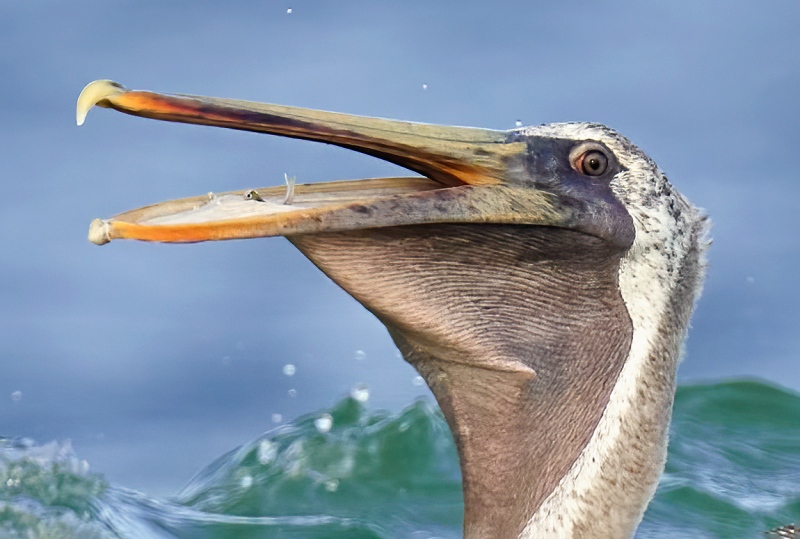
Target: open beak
{"x": 468, "y": 175}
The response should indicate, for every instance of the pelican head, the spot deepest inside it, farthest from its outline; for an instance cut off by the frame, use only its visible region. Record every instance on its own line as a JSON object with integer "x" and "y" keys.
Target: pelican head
{"x": 540, "y": 279}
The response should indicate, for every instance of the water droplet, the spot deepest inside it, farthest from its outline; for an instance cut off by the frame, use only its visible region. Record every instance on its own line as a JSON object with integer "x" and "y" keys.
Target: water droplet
{"x": 518, "y": 123}
{"x": 277, "y": 418}
{"x": 289, "y": 369}
{"x": 267, "y": 451}
{"x": 323, "y": 423}
{"x": 360, "y": 393}
{"x": 360, "y": 354}
{"x": 292, "y": 392}
{"x": 418, "y": 381}
{"x": 332, "y": 485}
{"x": 247, "y": 482}
{"x": 16, "y": 396}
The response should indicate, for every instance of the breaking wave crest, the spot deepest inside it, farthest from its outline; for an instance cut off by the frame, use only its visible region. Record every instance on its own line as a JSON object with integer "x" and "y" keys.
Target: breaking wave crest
{"x": 733, "y": 471}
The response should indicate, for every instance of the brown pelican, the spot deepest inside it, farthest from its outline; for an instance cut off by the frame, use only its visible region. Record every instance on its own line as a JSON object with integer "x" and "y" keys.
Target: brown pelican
{"x": 540, "y": 279}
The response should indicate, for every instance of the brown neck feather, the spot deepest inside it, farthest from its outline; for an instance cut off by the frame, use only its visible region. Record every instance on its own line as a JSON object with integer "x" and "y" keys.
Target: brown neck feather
{"x": 460, "y": 300}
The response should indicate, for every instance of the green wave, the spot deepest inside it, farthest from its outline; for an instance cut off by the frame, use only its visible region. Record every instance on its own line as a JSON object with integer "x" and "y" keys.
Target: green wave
{"x": 733, "y": 471}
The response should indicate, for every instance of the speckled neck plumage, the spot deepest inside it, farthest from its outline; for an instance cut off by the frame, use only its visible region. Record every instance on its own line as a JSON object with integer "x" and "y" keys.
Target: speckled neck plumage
{"x": 455, "y": 295}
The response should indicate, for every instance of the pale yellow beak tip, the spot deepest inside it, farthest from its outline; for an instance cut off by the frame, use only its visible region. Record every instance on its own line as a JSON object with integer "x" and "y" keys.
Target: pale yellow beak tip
{"x": 93, "y": 94}
{"x": 99, "y": 231}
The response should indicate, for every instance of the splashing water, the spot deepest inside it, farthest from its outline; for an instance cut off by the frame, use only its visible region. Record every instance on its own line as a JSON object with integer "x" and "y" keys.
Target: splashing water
{"x": 733, "y": 471}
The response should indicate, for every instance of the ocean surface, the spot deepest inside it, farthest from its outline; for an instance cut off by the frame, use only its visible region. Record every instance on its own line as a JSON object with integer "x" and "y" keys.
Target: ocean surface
{"x": 351, "y": 471}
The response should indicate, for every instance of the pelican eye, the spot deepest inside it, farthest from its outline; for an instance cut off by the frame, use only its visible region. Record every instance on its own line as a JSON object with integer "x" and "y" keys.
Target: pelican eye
{"x": 592, "y": 163}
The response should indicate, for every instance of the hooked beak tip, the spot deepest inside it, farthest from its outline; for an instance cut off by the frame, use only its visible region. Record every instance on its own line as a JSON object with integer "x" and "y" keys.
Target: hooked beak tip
{"x": 95, "y": 93}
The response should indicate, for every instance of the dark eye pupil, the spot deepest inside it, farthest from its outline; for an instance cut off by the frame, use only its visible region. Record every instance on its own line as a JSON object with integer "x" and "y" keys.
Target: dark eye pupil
{"x": 594, "y": 163}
